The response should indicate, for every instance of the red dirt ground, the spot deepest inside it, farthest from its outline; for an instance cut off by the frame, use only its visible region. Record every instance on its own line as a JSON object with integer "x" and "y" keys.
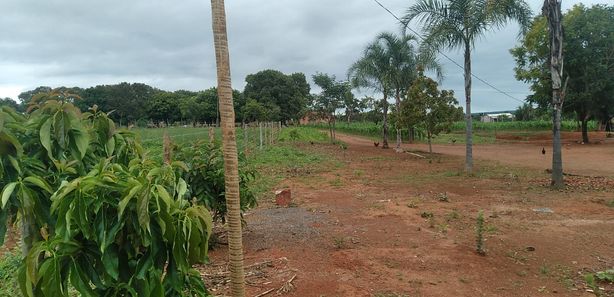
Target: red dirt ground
{"x": 360, "y": 229}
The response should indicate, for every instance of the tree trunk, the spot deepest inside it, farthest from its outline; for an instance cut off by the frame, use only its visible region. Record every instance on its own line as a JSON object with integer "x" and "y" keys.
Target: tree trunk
{"x": 585, "y": 131}
{"x": 229, "y": 145}
{"x": 385, "y": 124}
{"x": 398, "y": 106}
{"x": 334, "y": 129}
{"x": 330, "y": 130}
{"x": 430, "y": 136}
{"x": 552, "y": 11}
{"x": 468, "y": 119}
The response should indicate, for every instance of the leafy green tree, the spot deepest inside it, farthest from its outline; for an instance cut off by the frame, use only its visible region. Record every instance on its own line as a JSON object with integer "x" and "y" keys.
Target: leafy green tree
{"x": 525, "y": 112}
{"x": 273, "y": 88}
{"x": 433, "y": 110}
{"x": 351, "y": 105}
{"x": 330, "y": 99}
{"x": 254, "y": 111}
{"x": 128, "y": 102}
{"x": 458, "y": 24}
{"x": 164, "y": 107}
{"x": 589, "y": 64}
{"x": 26, "y": 96}
{"x": 10, "y": 103}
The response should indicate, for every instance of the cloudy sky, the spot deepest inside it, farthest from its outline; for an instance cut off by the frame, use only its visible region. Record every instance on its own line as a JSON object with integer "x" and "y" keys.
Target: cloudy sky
{"x": 168, "y": 44}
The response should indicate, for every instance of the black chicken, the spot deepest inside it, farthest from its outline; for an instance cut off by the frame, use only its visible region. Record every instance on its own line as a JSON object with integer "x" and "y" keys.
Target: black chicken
{"x": 376, "y": 144}
{"x": 543, "y": 150}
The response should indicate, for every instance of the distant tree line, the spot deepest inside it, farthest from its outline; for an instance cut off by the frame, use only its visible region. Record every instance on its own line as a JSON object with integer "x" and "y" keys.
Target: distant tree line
{"x": 268, "y": 96}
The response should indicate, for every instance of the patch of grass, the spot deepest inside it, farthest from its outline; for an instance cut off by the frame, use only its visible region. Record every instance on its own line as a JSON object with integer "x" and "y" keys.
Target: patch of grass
{"x": 276, "y": 162}
{"x": 442, "y": 228}
{"x": 443, "y": 197}
{"x": 303, "y": 134}
{"x": 337, "y": 182}
{"x": 544, "y": 270}
{"x": 359, "y": 173}
{"x": 610, "y": 203}
{"x": 427, "y": 215}
{"x": 517, "y": 256}
{"x": 9, "y": 264}
{"x": 339, "y": 243}
{"x": 412, "y": 204}
{"x": 453, "y": 215}
{"x": 491, "y": 229}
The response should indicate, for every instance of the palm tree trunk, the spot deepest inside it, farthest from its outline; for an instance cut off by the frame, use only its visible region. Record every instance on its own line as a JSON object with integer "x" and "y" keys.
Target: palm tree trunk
{"x": 469, "y": 120}
{"x": 385, "y": 140}
{"x": 229, "y": 145}
{"x": 398, "y": 105}
{"x": 552, "y": 11}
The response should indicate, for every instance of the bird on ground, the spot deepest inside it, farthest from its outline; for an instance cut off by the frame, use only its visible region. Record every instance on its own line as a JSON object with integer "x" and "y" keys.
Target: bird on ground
{"x": 376, "y": 144}
{"x": 311, "y": 142}
{"x": 543, "y": 150}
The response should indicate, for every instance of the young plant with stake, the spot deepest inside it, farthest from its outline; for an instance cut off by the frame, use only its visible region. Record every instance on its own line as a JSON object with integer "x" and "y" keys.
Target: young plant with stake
{"x": 479, "y": 230}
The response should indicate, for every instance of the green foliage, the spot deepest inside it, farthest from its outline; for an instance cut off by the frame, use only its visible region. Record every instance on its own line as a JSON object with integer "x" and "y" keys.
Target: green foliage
{"x": 205, "y": 175}
{"x": 285, "y": 94}
{"x": 537, "y": 125}
{"x": 98, "y": 215}
{"x": 606, "y": 275}
{"x": 332, "y": 97}
{"x": 427, "y": 107}
{"x": 9, "y": 266}
{"x": 10, "y": 103}
{"x": 334, "y": 94}
{"x": 303, "y": 134}
{"x": 588, "y": 45}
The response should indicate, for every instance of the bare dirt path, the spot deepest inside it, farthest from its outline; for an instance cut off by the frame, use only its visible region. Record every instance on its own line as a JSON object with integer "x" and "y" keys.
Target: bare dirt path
{"x": 388, "y": 224}
{"x": 583, "y": 159}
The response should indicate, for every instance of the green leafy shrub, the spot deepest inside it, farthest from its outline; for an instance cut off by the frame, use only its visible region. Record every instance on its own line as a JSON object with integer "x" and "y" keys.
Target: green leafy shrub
{"x": 205, "y": 175}
{"x": 98, "y": 215}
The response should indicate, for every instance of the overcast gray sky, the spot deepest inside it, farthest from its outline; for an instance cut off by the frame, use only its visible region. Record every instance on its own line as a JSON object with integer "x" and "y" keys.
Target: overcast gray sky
{"x": 169, "y": 45}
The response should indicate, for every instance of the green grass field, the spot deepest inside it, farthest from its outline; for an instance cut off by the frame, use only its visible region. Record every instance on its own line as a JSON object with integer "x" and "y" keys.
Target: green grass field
{"x": 272, "y": 162}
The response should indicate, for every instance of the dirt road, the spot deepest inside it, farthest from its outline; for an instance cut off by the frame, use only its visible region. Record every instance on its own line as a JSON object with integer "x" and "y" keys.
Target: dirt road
{"x": 582, "y": 159}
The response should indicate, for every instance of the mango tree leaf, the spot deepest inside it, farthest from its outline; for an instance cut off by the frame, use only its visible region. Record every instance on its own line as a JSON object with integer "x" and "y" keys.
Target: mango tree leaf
{"x": 37, "y": 181}
{"x": 7, "y": 192}
{"x": 111, "y": 262}
{"x": 45, "y": 136}
{"x": 124, "y": 202}
{"x": 142, "y": 209}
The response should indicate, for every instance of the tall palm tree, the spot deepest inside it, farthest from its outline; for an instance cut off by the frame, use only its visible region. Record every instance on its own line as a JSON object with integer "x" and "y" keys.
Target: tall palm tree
{"x": 404, "y": 60}
{"x": 552, "y": 10}
{"x": 457, "y": 24}
{"x": 229, "y": 143}
{"x": 372, "y": 71}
